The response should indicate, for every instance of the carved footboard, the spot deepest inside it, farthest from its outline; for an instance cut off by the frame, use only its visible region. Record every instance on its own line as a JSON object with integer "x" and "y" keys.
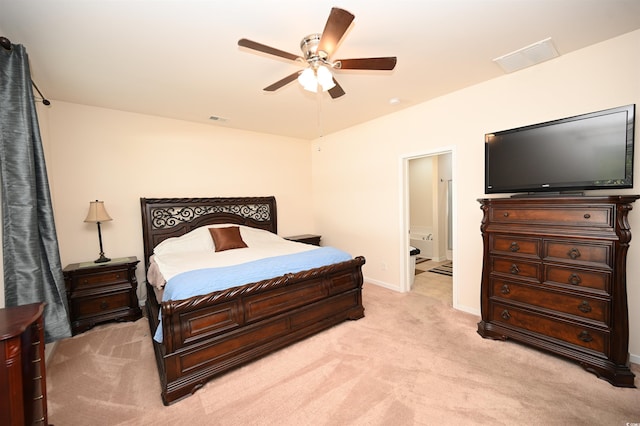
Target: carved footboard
{"x": 207, "y": 335}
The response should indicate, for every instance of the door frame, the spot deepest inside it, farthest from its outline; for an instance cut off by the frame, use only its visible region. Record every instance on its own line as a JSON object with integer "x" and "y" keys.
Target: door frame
{"x": 405, "y": 272}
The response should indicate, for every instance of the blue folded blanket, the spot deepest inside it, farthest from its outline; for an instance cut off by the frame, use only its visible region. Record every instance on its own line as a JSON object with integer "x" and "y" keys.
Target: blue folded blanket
{"x": 209, "y": 280}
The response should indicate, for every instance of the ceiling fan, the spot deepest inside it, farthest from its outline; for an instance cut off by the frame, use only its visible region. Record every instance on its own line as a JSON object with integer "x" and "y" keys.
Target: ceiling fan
{"x": 317, "y": 50}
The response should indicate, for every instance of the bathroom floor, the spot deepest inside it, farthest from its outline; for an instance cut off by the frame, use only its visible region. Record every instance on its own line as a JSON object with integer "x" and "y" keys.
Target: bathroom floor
{"x": 431, "y": 284}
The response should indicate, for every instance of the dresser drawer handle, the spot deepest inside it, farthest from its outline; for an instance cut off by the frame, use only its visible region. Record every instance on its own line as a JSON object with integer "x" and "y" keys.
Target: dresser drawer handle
{"x": 104, "y": 305}
{"x": 585, "y": 336}
{"x": 587, "y": 216}
{"x": 575, "y": 279}
{"x": 117, "y": 276}
{"x": 584, "y": 307}
{"x": 505, "y": 315}
{"x": 574, "y": 253}
{"x": 515, "y": 269}
{"x": 514, "y": 247}
{"x": 505, "y": 214}
{"x": 505, "y": 289}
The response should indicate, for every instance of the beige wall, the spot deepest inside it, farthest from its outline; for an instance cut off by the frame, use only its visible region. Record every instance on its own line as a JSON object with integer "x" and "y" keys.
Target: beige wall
{"x": 421, "y": 182}
{"x": 118, "y": 157}
{"x": 357, "y": 173}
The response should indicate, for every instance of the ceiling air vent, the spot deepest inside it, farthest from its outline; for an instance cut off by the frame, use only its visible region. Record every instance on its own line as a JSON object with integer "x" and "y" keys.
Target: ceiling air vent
{"x": 218, "y": 119}
{"x": 527, "y": 56}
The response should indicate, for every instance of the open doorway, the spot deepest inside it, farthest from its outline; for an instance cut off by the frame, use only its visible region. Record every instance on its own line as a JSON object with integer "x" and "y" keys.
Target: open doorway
{"x": 428, "y": 225}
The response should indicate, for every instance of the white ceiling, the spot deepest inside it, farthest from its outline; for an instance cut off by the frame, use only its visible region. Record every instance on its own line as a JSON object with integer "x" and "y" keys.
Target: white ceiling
{"x": 180, "y": 58}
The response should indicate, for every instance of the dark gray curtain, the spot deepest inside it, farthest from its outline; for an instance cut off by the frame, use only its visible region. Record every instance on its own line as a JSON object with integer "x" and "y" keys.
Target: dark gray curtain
{"x": 32, "y": 271}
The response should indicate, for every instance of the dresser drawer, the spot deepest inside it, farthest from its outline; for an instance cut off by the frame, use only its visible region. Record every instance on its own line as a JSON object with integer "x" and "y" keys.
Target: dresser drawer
{"x": 100, "y": 279}
{"x": 586, "y": 337}
{"x": 515, "y": 246}
{"x": 582, "y": 216}
{"x": 99, "y": 304}
{"x": 598, "y": 281}
{"x": 516, "y": 268}
{"x": 586, "y": 253}
{"x": 585, "y": 307}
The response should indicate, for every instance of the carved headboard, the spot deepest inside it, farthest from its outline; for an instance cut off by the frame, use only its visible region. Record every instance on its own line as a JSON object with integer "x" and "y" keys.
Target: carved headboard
{"x": 164, "y": 218}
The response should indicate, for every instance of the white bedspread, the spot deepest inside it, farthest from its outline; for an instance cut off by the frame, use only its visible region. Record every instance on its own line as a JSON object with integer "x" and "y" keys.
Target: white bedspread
{"x": 197, "y": 255}
{"x": 193, "y": 255}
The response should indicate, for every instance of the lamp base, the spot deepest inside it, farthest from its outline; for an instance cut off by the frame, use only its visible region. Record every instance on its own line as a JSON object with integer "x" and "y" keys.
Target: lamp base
{"x": 102, "y": 259}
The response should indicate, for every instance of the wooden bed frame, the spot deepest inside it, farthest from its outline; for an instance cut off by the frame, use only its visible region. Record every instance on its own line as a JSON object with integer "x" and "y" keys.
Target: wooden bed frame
{"x": 211, "y": 334}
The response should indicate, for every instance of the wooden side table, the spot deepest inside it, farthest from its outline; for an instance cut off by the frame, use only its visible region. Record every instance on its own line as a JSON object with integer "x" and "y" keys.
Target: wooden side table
{"x": 305, "y": 238}
{"x": 101, "y": 292}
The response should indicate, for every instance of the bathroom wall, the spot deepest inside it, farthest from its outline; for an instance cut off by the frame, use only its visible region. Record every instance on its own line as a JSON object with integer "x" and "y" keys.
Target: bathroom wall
{"x": 421, "y": 202}
{"x": 430, "y": 206}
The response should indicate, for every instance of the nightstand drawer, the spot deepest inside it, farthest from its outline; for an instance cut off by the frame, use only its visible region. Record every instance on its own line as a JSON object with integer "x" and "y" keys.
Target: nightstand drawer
{"x": 100, "y": 304}
{"x": 90, "y": 280}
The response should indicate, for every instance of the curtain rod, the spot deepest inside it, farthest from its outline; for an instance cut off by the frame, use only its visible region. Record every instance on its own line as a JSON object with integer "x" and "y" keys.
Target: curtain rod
{"x": 6, "y": 44}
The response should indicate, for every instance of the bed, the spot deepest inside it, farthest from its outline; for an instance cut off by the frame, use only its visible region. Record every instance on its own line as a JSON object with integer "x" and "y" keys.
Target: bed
{"x": 205, "y": 335}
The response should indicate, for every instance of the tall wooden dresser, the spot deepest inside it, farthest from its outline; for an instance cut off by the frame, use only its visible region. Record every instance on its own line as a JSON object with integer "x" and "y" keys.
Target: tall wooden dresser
{"x": 554, "y": 277}
{"x": 23, "y": 390}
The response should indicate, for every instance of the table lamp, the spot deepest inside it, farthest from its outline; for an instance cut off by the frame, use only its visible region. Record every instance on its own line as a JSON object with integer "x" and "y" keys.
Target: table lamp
{"x": 97, "y": 213}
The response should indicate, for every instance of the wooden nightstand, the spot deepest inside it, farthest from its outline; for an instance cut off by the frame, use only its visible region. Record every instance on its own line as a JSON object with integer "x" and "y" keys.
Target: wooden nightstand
{"x": 100, "y": 292}
{"x": 305, "y": 238}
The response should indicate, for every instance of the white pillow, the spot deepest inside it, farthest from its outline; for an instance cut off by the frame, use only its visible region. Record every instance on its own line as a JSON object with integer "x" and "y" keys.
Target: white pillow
{"x": 197, "y": 240}
{"x": 256, "y": 236}
{"x": 200, "y": 239}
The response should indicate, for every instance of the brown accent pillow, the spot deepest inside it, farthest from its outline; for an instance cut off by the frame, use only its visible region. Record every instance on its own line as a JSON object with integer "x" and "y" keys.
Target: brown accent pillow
{"x": 227, "y": 238}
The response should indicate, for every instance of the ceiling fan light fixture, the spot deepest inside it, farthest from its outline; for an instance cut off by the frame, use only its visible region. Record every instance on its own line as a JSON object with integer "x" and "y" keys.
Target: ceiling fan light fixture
{"x": 325, "y": 78}
{"x": 308, "y": 80}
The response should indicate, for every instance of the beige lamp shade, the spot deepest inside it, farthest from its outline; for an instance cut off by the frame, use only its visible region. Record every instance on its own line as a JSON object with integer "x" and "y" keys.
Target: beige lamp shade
{"x": 97, "y": 212}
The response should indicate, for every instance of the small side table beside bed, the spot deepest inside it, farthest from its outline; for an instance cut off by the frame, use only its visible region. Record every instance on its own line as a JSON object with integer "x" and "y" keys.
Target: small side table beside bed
{"x": 101, "y": 292}
{"x": 305, "y": 238}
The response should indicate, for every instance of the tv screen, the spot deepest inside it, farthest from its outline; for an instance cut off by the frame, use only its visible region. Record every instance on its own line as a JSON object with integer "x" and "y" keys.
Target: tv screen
{"x": 589, "y": 151}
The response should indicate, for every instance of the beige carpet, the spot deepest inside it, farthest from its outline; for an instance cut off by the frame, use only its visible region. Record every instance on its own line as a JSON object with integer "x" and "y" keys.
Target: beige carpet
{"x": 412, "y": 360}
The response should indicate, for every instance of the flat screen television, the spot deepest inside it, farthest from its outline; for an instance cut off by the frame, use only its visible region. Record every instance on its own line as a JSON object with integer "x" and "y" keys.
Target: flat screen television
{"x": 585, "y": 152}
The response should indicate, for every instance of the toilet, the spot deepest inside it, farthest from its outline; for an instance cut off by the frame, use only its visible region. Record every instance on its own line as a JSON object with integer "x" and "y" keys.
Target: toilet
{"x": 413, "y": 253}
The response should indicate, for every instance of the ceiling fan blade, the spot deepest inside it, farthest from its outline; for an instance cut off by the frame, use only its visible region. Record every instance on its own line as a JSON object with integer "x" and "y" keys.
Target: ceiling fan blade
{"x": 336, "y": 91}
{"x": 387, "y": 63}
{"x": 337, "y": 24}
{"x": 243, "y": 42}
{"x": 278, "y": 84}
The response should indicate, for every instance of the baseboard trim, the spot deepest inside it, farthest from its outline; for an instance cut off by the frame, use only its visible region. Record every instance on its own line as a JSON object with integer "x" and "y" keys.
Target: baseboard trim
{"x": 382, "y": 284}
